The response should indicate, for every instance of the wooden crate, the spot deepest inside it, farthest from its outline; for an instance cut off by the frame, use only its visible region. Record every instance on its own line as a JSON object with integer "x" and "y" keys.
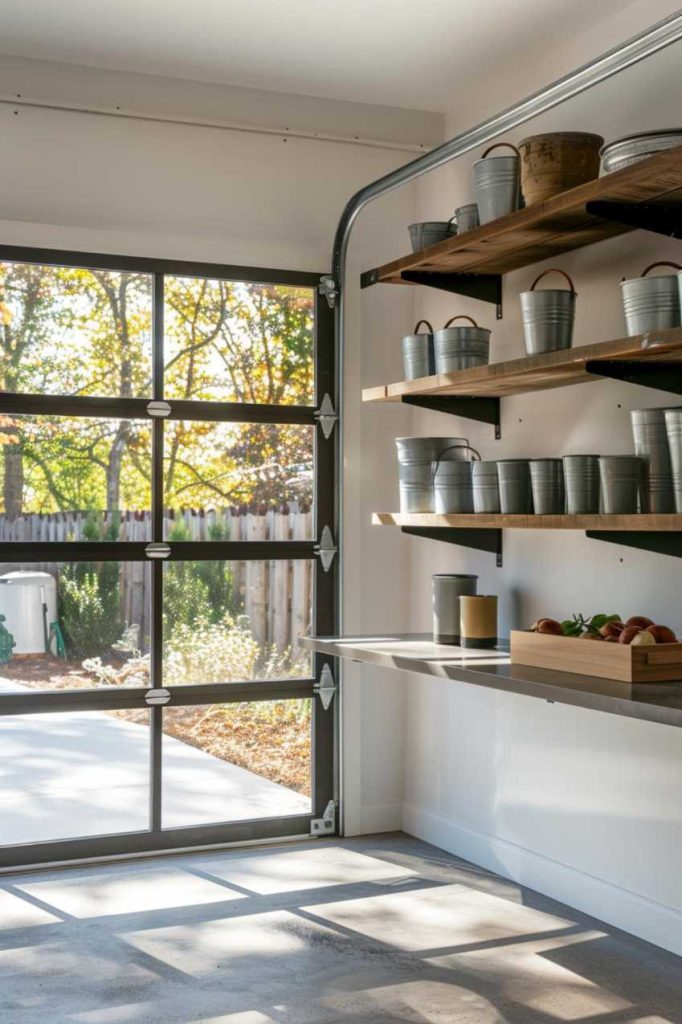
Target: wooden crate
{"x": 651, "y": 664}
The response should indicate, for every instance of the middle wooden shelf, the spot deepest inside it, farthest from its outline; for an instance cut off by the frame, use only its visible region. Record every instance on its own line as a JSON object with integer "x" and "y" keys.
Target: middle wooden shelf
{"x": 637, "y": 358}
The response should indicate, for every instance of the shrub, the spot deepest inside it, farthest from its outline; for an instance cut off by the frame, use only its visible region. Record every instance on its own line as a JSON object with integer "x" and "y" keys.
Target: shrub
{"x": 90, "y": 611}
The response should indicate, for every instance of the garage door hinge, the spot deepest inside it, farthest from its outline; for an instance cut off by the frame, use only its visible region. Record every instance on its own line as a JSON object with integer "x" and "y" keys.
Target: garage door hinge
{"x": 326, "y": 416}
{"x": 326, "y": 825}
{"x": 325, "y": 688}
{"x": 326, "y": 549}
{"x": 328, "y": 288}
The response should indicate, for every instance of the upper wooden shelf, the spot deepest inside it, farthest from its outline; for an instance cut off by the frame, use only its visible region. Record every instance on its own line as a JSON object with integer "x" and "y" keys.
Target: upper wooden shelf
{"x": 537, "y": 373}
{"x": 544, "y": 229}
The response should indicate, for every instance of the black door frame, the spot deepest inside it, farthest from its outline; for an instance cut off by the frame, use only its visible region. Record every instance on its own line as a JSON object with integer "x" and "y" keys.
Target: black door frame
{"x": 325, "y": 603}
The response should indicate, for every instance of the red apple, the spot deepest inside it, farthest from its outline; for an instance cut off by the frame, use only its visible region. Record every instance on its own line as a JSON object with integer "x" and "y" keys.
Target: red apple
{"x": 662, "y": 634}
{"x": 628, "y": 634}
{"x": 639, "y": 620}
{"x": 612, "y": 629}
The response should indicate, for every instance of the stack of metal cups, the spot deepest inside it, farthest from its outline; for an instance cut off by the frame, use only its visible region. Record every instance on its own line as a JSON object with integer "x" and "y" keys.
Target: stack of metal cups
{"x": 651, "y": 445}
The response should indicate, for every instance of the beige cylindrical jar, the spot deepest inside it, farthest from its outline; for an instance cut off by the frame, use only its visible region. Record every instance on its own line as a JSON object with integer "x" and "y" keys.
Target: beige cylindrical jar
{"x": 478, "y": 620}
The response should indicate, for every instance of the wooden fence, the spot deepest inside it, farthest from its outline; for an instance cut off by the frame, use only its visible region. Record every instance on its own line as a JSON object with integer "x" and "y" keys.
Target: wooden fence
{"x": 276, "y": 596}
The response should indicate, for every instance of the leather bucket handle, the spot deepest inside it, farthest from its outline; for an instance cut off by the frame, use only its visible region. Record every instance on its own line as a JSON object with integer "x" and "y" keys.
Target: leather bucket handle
{"x": 461, "y": 316}
{"x": 496, "y": 145}
{"x": 553, "y": 270}
{"x": 660, "y": 263}
{"x": 418, "y": 325}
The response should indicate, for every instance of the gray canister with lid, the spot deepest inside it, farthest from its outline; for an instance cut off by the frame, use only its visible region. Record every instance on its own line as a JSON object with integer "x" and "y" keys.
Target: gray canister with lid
{"x": 447, "y": 590}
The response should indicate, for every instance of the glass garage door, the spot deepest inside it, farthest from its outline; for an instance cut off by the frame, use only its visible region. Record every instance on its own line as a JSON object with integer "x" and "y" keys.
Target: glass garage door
{"x": 166, "y": 484}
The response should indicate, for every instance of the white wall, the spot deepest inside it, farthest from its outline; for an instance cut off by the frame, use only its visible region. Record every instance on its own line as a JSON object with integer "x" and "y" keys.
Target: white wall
{"x": 578, "y": 804}
{"x": 107, "y": 184}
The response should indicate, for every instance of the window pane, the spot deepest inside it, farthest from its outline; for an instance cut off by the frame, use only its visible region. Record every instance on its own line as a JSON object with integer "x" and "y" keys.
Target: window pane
{"x": 228, "y": 622}
{"x": 220, "y": 467}
{"x": 231, "y": 341}
{"x": 74, "y": 331}
{"x": 71, "y": 478}
{"x": 78, "y": 625}
{"x": 231, "y": 762}
{"x": 70, "y": 774}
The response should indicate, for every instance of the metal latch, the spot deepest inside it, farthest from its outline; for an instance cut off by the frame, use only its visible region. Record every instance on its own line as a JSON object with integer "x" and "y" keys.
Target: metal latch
{"x": 326, "y": 687}
{"x": 158, "y": 409}
{"x": 327, "y": 823}
{"x": 326, "y": 416}
{"x": 157, "y": 550}
{"x": 326, "y": 549}
{"x": 157, "y": 697}
{"x": 327, "y": 287}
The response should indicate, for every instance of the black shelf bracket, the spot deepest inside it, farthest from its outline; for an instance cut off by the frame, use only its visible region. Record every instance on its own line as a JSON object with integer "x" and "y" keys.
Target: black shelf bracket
{"x": 486, "y": 287}
{"x": 662, "y": 542}
{"x": 479, "y": 539}
{"x": 483, "y": 410}
{"x": 663, "y": 218}
{"x": 647, "y": 372}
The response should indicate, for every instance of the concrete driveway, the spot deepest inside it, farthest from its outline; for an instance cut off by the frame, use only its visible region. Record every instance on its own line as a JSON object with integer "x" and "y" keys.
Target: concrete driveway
{"x": 86, "y": 773}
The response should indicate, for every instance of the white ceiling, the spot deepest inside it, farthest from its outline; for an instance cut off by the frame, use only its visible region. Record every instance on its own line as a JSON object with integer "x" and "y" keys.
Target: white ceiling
{"x": 410, "y": 53}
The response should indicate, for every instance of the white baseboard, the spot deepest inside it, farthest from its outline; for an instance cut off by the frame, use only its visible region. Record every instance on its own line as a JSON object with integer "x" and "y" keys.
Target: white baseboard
{"x": 648, "y": 920}
{"x": 377, "y": 818}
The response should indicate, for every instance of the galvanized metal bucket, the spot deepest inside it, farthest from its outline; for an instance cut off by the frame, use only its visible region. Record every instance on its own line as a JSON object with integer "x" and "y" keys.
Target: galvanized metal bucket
{"x": 623, "y": 152}
{"x": 651, "y": 445}
{"x": 547, "y": 485}
{"x": 416, "y": 456}
{"x": 430, "y": 232}
{"x": 651, "y": 303}
{"x": 581, "y": 474}
{"x": 548, "y": 315}
{"x": 621, "y": 476}
{"x": 515, "y": 491}
{"x": 453, "y": 488}
{"x": 485, "y": 487}
{"x": 673, "y": 426}
{"x": 466, "y": 217}
{"x": 497, "y": 183}
{"x": 418, "y": 358}
{"x": 460, "y": 348}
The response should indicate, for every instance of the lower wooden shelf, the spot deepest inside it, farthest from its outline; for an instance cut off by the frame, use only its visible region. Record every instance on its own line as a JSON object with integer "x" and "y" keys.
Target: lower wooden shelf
{"x": 416, "y": 652}
{"x": 641, "y": 523}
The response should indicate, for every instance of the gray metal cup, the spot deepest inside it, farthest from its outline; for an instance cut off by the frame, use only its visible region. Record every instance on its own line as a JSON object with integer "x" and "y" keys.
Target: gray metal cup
{"x": 416, "y": 456}
{"x": 466, "y": 217}
{"x": 547, "y": 486}
{"x": 460, "y": 348}
{"x": 651, "y": 445}
{"x": 429, "y": 232}
{"x": 515, "y": 490}
{"x": 497, "y": 184}
{"x": 418, "y": 357}
{"x": 621, "y": 477}
{"x": 447, "y": 590}
{"x": 548, "y": 316}
{"x": 673, "y": 426}
{"x": 651, "y": 303}
{"x": 485, "y": 487}
{"x": 581, "y": 476}
{"x": 453, "y": 488}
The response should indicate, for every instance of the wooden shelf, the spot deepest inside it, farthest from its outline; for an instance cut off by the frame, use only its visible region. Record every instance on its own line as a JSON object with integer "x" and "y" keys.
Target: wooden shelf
{"x": 542, "y": 230}
{"x": 538, "y": 373}
{"x": 640, "y": 523}
{"x": 415, "y": 652}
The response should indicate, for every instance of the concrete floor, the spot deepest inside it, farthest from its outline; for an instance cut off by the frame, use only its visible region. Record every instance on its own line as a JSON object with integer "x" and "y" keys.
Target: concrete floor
{"x": 364, "y": 931}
